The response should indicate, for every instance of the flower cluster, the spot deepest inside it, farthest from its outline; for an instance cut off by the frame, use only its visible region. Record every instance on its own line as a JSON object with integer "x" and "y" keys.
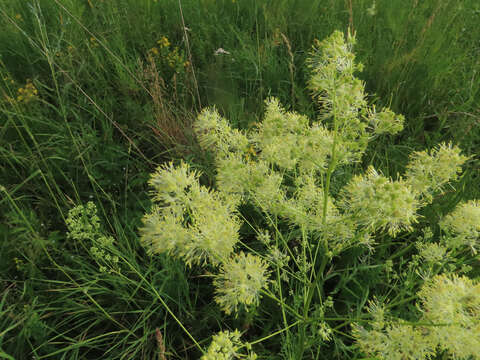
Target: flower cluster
{"x": 451, "y": 318}
{"x": 394, "y": 342}
{"x": 385, "y": 121}
{"x": 452, "y": 305}
{"x": 83, "y": 222}
{"x": 215, "y": 134}
{"x": 428, "y": 172}
{"x": 174, "y": 58}
{"x": 240, "y": 281}
{"x": 340, "y": 93}
{"x": 256, "y": 166}
{"x": 431, "y": 253}
{"x": 189, "y": 221}
{"x": 379, "y": 203}
{"x": 283, "y": 167}
{"x": 225, "y": 346}
{"x": 199, "y": 225}
{"x": 94, "y": 42}
{"x": 25, "y": 94}
{"x": 287, "y": 140}
{"x": 83, "y": 226}
{"x": 342, "y": 96}
{"x": 462, "y": 226}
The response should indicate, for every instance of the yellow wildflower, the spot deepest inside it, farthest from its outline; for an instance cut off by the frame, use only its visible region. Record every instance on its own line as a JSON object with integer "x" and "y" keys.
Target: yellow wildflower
{"x": 27, "y": 93}
{"x": 154, "y": 51}
{"x": 93, "y": 42}
{"x": 163, "y": 42}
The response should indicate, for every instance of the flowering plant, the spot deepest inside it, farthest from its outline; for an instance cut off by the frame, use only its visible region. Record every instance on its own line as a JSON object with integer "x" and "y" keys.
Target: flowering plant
{"x": 288, "y": 170}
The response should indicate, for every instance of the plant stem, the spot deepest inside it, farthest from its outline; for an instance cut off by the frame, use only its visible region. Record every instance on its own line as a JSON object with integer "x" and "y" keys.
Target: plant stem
{"x": 318, "y": 278}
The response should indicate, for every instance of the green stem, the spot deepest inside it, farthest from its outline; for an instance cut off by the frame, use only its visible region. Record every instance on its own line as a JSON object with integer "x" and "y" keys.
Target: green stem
{"x": 273, "y": 334}
{"x": 319, "y": 278}
{"x": 279, "y": 284}
{"x": 401, "y": 251}
{"x": 282, "y": 304}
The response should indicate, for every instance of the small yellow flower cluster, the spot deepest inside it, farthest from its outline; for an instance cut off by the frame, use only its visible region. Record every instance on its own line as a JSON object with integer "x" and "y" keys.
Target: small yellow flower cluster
{"x": 27, "y": 93}
{"x": 154, "y": 51}
{"x": 19, "y": 264}
{"x": 93, "y": 42}
{"x": 174, "y": 58}
{"x": 8, "y": 79}
{"x": 163, "y": 42}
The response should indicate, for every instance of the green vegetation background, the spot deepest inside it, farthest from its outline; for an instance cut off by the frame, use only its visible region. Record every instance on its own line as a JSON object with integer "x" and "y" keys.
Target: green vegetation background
{"x": 95, "y": 94}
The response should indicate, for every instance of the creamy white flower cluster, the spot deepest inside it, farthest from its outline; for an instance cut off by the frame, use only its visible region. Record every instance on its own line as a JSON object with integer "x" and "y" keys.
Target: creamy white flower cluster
{"x": 226, "y": 345}
{"x": 283, "y": 164}
{"x": 189, "y": 221}
{"x": 342, "y": 96}
{"x": 200, "y": 226}
{"x": 462, "y": 226}
{"x": 450, "y": 323}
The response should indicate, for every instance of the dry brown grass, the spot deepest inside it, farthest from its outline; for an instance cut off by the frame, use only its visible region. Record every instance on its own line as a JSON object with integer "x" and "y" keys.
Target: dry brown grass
{"x": 171, "y": 124}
